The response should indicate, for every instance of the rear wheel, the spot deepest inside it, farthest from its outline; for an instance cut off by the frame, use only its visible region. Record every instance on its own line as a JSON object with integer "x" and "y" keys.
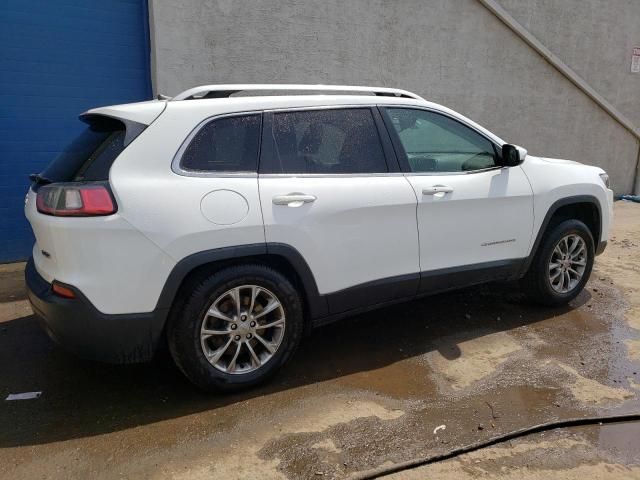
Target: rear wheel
{"x": 562, "y": 265}
{"x": 237, "y": 328}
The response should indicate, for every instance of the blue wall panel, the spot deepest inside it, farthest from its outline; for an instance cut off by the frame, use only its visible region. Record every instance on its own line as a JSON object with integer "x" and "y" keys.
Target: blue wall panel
{"x": 59, "y": 58}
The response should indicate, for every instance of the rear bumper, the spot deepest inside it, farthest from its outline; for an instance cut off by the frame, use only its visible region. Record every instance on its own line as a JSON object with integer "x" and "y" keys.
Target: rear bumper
{"x": 79, "y": 327}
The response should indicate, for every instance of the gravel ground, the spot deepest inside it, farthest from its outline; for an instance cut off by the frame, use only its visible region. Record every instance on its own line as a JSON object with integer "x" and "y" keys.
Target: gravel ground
{"x": 363, "y": 393}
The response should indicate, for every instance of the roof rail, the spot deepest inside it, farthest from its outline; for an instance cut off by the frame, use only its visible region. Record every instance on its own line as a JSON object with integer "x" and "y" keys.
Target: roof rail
{"x": 225, "y": 91}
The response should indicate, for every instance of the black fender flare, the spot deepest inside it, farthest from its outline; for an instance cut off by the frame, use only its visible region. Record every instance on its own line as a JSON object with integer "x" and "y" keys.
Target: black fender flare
{"x": 563, "y": 202}
{"x": 316, "y": 303}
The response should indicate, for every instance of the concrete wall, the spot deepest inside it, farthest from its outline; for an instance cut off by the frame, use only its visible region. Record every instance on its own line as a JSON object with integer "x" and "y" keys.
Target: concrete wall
{"x": 595, "y": 38}
{"x": 453, "y": 52}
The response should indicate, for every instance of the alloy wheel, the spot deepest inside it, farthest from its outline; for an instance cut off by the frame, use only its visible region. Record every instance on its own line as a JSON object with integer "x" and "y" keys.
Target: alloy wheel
{"x": 567, "y": 263}
{"x": 242, "y": 329}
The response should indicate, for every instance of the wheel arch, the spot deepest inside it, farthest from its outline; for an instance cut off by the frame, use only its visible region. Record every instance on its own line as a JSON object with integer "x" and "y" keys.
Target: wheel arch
{"x": 586, "y": 208}
{"x": 284, "y": 258}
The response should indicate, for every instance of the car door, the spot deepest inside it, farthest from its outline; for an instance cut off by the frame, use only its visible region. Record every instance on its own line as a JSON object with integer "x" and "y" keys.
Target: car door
{"x": 326, "y": 190}
{"x": 475, "y": 218}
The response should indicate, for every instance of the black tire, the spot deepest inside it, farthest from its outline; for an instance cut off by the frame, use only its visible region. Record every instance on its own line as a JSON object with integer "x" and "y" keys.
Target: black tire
{"x": 536, "y": 282}
{"x": 183, "y": 330}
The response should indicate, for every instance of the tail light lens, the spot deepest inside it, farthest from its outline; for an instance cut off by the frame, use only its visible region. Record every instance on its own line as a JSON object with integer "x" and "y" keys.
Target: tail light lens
{"x": 75, "y": 200}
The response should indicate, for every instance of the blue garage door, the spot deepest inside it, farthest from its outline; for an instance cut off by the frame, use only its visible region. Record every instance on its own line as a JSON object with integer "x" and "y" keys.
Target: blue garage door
{"x": 57, "y": 59}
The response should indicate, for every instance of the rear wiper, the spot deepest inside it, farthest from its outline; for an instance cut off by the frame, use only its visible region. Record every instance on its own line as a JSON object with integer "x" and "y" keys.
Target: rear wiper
{"x": 39, "y": 179}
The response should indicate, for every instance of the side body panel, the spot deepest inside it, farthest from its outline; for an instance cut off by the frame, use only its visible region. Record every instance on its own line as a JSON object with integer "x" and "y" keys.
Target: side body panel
{"x": 181, "y": 214}
{"x": 114, "y": 265}
{"x": 356, "y": 231}
{"x": 359, "y": 229}
{"x": 557, "y": 180}
{"x": 487, "y": 217}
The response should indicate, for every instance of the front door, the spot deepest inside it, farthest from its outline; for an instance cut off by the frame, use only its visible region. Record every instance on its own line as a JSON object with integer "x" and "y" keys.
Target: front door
{"x": 326, "y": 190}
{"x": 475, "y": 218}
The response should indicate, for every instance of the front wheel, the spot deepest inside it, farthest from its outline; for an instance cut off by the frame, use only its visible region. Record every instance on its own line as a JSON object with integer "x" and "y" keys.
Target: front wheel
{"x": 237, "y": 328}
{"x": 562, "y": 265}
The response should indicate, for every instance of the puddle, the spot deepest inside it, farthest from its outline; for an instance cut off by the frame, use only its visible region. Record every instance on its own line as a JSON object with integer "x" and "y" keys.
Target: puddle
{"x": 608, "y": 451}
{"x": 476, "y": 359}
{"x": 620, "y": 440}
{"x": 588, "y": 391}
{"x": 406, "y": 379}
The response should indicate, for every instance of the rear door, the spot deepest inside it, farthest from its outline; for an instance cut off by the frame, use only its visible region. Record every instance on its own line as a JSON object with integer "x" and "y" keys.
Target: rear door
{"x": 475, "y": 217}
{"x": 330, "y": 189}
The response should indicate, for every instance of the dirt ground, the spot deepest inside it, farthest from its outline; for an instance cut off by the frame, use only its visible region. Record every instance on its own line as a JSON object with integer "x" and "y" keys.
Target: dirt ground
{"x": 360, "y": 394}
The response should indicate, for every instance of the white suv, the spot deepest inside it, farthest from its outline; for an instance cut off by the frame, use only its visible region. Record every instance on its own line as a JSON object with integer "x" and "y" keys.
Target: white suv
{"x": 228, "y": 220}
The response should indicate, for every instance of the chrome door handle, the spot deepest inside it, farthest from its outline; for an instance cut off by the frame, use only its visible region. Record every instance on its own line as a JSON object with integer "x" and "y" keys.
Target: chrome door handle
{"x": 436, "y": 189}
{"x": 293, "y": 199}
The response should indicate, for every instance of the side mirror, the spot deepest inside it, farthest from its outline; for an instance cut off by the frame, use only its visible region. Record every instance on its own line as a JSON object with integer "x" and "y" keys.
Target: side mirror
{"x": 512, "y": 155}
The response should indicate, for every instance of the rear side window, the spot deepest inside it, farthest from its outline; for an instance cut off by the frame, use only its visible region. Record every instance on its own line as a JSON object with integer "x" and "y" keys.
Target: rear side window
{"x": 90, "y": 155}
{"x": 228, "y": 144}
{"x": 327, "y": 141}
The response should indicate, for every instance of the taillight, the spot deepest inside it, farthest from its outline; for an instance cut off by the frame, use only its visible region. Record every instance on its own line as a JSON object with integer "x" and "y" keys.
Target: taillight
{"x": 75, "y": 200}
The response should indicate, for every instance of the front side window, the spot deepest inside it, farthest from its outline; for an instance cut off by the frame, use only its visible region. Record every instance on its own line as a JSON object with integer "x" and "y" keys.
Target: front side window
{"x": 228, "y": 144}
{"x": 436, "y": 143}
{"x": 327, "y": 142}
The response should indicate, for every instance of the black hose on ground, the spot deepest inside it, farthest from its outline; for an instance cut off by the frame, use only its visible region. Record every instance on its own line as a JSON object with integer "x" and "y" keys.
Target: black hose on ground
{"x": 543, "y": 427}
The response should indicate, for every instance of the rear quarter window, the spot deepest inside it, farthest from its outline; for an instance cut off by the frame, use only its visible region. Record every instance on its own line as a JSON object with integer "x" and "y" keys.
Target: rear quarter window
{"x": 227, "y": 144}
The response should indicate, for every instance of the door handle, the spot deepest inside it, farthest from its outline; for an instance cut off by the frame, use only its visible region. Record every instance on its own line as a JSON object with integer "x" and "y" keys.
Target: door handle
{"x": 293, "y": 199}
{"x": 436, "y": 189}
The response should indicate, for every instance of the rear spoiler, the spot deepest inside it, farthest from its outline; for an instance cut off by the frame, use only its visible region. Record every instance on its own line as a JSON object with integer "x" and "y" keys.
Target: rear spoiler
{"x": 135, "y": 116}
{"x": 141, "y": 112}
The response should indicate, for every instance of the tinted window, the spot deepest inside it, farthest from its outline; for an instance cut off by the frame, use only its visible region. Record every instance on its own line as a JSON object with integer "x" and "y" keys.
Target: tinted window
{"x": 90, "y": 155}
{"x": 228, "y": 144}
{"x": 99, "y": 162}
{"x": 327, "y": 141}
{"x": 437, "y": 143}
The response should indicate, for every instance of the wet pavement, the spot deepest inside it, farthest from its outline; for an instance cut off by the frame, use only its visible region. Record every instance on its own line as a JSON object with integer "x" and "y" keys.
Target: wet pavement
{"x": 359, "y": 394}
{"x": 608, "y": 452}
